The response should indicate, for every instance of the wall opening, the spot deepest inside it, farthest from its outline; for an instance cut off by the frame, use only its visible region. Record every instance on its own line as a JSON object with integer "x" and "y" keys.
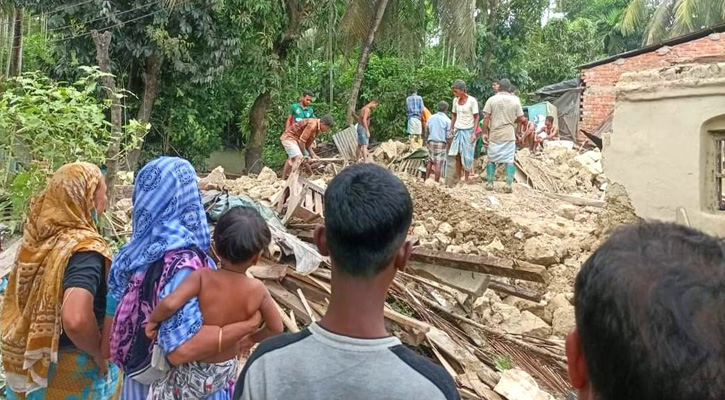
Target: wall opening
{"x": 715, "y": 163}
{"x": 719, "y": 192}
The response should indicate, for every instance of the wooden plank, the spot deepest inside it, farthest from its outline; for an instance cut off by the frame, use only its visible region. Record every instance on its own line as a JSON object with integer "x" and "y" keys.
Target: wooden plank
{"x": 468, "y": 282}
{"x": 579, "y": 201}
{"x": 415, "y": 329}
{"x": 319, "y": 208}
{"x": 275, "y": 272}
{"x": 286, "y": 320}
{"x": 312, "y": 292}
{"x": 309, "y": 202}
{"x": 288, "y": 300}
{"x": 306, "y": 305}
{"x": 483, "y": 264}
{"x": 516, "y": 291}
{"x": 311, "y": 280}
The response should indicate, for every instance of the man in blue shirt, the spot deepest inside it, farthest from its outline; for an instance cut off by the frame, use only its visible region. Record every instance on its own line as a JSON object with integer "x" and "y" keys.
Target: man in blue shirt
{"x": 436, "y": 130}
{"x": 414, "y": 105}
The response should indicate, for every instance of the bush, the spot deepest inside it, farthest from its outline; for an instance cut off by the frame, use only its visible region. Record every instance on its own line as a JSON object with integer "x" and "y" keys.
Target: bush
{"x": 46, "y": 124}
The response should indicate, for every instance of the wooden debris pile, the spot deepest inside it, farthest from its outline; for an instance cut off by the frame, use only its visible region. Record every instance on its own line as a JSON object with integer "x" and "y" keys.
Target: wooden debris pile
{"x": 428, "y": 308}
{"x": 428, "y": 315}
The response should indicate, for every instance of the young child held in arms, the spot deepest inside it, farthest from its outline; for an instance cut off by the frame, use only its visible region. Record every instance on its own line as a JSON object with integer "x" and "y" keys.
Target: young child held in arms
{"x": 226, "y": 296}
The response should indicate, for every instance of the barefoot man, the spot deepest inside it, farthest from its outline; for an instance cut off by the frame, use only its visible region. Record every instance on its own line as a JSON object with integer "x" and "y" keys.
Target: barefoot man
{"x": 463, "y": 129}
{"x": 363, "y": 131}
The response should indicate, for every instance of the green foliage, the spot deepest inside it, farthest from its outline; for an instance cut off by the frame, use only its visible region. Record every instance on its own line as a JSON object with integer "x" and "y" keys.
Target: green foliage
{"x": 556, "y": 50}
{"x": 389, "y": 80}
{"x": 662, "y": 20}
{"x": 46, "y": 124}
{"x": 504, "y": 363}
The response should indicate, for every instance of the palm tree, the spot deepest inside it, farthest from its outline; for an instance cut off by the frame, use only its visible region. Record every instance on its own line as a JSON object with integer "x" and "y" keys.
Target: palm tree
{"x": 364, "y": 20}
{"x": 665, "y": 19}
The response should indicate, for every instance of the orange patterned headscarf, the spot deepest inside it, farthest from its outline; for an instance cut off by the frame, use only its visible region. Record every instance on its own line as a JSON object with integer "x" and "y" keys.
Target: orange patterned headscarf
{"x": 58, "y": 225}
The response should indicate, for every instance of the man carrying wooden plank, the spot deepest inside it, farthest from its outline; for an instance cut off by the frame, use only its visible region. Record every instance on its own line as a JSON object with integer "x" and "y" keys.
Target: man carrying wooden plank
{"x": 349, "y": 354}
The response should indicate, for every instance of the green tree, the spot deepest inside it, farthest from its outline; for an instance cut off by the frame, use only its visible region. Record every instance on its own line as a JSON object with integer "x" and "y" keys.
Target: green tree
{"x": 663, "y": 19}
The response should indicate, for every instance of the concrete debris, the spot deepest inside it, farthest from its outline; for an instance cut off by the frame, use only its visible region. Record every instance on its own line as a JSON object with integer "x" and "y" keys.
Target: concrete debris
{"x": 534, "y": 326}
{"x": 561, "y": 170}
{"x": 442, "y": 238}
{"x": 503, "y": 317}
{"x": 557, "y": 302}
{"x": 267, "y": 176}
{"x": 568, "y": 211}
{"x": 464, "y": 226}
{"x": 543, "y": 250}
{"x": 420, "y": 231}
{"x": 516, "y": 384}
{"x": 564, "y": 321}
{"x": 445, "y": 228}
{"x": 454, "y": 249}
{"x": 495, "y": 245}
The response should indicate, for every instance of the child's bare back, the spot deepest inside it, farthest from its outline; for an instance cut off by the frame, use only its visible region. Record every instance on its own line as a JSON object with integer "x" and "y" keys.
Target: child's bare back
{"x": 227, "y": 296}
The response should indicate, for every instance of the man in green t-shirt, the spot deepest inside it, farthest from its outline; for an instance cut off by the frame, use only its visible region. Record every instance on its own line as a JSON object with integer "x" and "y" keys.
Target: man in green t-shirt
{"x": 300, "y": 110}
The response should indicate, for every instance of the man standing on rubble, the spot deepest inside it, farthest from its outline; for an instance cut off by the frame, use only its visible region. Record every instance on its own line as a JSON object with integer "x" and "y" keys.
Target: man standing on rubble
{"x": 463, "y": 129}
{"x": 436, "y": 133}
{"x": 414, "y": 106}
{"x": 502, "y": 117}
{"x": 349, "y": 354}
{"x": 363, "y": 131}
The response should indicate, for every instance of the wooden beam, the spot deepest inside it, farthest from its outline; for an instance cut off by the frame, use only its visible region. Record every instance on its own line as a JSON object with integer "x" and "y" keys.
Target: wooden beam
{"x": 416, "y": 330}
{"x": 289, "y": 300}
{"x": 268, "y": 271}
{"x": 286, "y": 320}
{"x": 516, "y": 291}
{"x": 468, "y": 282}
{"x": 579, "y": 201}
{"x": 483, "y": 264}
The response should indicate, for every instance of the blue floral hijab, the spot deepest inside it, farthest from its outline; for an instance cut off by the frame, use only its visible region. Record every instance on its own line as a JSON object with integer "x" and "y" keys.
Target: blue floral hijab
{"x": 168, "y": 214}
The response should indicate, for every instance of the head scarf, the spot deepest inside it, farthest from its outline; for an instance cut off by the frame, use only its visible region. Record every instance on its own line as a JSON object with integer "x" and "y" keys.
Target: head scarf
{"x": 168, "y": 214}
{"x": 58, "y": 225}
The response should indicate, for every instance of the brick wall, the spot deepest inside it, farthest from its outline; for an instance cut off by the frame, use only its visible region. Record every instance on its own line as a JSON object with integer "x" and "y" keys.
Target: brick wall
{"x": 599, "y": 96}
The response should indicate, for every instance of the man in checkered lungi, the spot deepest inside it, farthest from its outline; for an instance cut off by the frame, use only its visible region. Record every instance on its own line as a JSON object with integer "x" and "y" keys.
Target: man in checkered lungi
{"x": 436, "y": 130}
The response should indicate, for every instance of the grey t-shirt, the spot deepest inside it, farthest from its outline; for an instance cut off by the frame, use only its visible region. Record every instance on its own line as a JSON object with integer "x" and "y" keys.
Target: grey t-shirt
{"x": 315, "y": 364}
{"x": 505, "y": 109}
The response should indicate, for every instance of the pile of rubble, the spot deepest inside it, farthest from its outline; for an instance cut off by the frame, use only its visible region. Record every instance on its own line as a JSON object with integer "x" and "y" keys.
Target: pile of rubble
{"x": 560, "y": 170}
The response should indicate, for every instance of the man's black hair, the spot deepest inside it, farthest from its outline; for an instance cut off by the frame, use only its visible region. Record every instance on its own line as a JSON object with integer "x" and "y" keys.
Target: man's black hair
{"x": 413, "y": 90}
{"x": 308, "y": 93}
{"x": 240, "y": 234}
{"x": 327, "y": 120}
{"x": 650, "y": 311}
{"x": 368, "y": 211}
{"x": 442, "y": 106}
{"x": 550, "y": 118}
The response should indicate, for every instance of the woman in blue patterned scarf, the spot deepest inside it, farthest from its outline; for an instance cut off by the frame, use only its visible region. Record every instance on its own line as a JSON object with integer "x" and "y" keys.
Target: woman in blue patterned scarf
{"x": 170, "y": 240}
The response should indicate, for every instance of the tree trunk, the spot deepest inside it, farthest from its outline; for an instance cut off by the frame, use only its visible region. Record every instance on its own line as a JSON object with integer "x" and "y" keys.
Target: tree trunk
{"x": 257, "y": 121}
{"x": 258, "y": 129}
{"x": 17, "y": 47}
{"x": 150, "y": 80}
{"x": 103, "y": 43}
{"x": 363, "y": 60}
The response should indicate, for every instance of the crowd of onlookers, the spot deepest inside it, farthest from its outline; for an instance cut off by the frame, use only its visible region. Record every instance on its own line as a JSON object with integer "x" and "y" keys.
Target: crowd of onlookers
{"x": 174, "y": 319}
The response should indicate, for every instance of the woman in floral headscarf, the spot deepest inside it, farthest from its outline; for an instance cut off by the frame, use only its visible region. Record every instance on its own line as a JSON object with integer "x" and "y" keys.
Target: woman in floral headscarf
{"x": 50, "y": 321}
{"x": 170, "y": 240}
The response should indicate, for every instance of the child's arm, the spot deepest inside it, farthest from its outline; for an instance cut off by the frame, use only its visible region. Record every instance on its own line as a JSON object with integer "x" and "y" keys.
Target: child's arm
{"x": 186, "y": 291}
{"x": 272, "y": 320}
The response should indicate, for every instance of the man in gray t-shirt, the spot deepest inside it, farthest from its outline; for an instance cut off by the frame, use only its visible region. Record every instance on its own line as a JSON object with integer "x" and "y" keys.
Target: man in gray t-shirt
{"x": 502, "y": 114}
{"x": 348, "y": 354}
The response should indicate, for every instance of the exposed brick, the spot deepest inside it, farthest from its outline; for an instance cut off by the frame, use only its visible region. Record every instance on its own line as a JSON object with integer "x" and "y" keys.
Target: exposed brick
{"x": 598, "y": 98}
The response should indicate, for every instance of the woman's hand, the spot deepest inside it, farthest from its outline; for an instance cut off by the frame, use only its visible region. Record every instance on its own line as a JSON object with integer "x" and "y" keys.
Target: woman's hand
{"x": 152, "y": 330}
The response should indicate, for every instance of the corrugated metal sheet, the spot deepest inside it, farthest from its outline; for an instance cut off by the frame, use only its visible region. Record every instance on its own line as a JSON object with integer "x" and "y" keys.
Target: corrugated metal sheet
{"x": 346, "y": 142}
